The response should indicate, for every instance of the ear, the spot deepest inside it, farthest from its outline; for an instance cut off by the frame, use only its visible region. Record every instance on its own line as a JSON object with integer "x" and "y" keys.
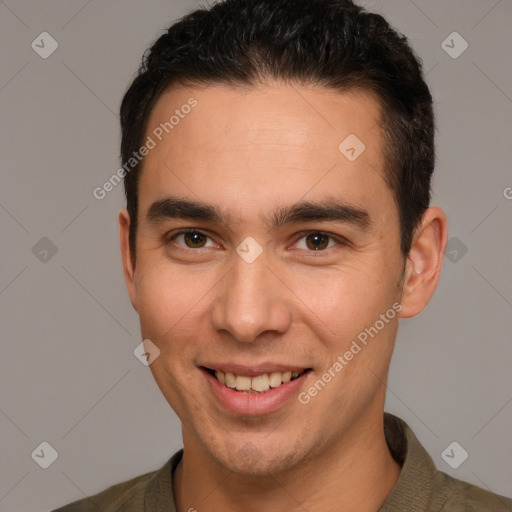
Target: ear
{"x": 128, "y": 258}
{"x": 424, "y": 262}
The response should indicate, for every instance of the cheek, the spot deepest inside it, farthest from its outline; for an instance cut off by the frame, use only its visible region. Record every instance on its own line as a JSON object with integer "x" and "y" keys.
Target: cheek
{"x": 347, "y": 299}
{"x": 168, "y": 298}
{"x": 166, "y": 312}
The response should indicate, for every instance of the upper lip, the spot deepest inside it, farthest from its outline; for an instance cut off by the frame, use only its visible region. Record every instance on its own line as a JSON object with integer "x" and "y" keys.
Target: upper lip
{"x": 253, "y": 370}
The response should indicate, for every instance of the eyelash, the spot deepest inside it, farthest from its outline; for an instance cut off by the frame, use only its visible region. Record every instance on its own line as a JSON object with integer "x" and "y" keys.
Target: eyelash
{"x": 339, "y": 239}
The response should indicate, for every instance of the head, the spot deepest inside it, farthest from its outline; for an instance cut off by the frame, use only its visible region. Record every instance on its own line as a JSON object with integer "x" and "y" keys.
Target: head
{"x": 299, "y": 158}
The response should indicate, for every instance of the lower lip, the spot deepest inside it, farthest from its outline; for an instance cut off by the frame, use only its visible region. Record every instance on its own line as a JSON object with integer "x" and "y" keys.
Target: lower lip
{"x": 254, "y": 404}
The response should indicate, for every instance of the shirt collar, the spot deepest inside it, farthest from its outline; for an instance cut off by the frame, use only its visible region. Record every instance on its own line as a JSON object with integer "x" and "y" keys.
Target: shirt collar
{"x": 415, "y": 485}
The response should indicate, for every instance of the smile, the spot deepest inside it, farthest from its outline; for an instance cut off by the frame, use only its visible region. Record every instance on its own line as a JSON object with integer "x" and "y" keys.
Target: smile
{"x": 255, "y": 390}
{"x": 257, "y": 384}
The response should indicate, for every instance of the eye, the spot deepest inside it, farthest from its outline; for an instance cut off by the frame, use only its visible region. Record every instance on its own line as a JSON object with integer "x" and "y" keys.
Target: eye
{"x": 317, "y": 241}
{"x": 191, "y": 238}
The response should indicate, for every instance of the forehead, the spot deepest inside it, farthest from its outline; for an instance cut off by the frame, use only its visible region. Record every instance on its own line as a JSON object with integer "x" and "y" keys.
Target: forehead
{"x": 256, "y": 145}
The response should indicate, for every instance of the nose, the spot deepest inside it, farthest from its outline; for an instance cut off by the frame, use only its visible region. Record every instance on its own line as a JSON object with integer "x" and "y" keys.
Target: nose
{"x": 251, "y": 301}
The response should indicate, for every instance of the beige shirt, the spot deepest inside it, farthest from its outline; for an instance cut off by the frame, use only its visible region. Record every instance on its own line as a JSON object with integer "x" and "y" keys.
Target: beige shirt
{"x": 420, "y": 487}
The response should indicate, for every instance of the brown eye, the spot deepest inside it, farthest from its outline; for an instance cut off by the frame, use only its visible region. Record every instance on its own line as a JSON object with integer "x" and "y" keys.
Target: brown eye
{"x": 317, "y": 241}
{"x": 189, "y": 239}
{"x": 194, "y": 239}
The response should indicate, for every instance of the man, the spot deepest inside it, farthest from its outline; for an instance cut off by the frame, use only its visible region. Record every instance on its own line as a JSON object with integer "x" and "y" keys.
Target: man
{"x": 277, "y": 163}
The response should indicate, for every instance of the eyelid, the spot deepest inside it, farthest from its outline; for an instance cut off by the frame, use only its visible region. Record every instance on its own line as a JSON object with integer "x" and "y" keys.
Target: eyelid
{"x": 168, "y": 238}
{"x": 337, "y": 238}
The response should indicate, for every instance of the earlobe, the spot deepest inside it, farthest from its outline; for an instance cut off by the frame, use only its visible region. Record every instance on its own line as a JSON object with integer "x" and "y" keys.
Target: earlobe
{"x": 424, "y": 262}
{"x": 127, "y": 257}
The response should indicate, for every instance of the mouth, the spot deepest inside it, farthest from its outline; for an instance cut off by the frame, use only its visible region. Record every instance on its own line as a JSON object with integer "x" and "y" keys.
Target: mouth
{"x": 255, "y": 384}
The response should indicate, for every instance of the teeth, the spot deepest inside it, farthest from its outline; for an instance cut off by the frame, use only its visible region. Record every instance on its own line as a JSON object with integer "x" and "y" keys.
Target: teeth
{"x": 260, "y": 383}
{"x": 242, "y": 383}
{"x": 275, "y": 379}
{"x": 230, "y": 380}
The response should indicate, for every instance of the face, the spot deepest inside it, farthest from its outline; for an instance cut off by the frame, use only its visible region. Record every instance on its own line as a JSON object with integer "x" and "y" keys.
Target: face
{"x": 290, "y": 255}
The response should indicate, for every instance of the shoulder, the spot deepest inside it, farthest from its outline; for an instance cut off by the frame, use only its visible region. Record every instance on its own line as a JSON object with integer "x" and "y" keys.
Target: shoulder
{"x": 453, "y": 495}
{"x": 125, "y": 496}
{"x": 135, "y": 495}
{"x": 421, "y": 486}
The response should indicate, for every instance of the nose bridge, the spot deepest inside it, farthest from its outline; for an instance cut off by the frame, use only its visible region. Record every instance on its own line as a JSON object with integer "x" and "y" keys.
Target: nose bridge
{"x": 252, "y": 301}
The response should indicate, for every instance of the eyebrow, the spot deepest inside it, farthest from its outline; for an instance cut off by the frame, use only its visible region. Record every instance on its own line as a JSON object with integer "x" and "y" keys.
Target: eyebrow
{"x": 325, "y": 210}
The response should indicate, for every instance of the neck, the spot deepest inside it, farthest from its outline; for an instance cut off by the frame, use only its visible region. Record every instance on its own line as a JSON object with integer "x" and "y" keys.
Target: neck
{"x": 355, "y": 473}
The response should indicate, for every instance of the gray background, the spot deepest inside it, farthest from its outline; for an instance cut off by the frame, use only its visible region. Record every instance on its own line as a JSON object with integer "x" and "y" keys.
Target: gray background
{"x": 68, "y": 375}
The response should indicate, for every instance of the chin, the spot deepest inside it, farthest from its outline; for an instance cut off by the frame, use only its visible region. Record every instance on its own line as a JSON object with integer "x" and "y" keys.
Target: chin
{"x": 259, "y": 460}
